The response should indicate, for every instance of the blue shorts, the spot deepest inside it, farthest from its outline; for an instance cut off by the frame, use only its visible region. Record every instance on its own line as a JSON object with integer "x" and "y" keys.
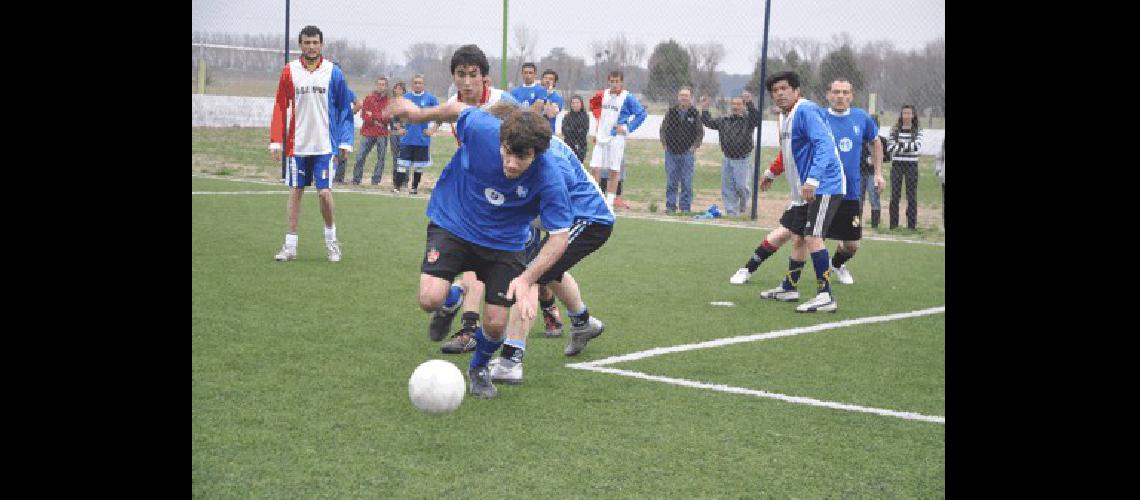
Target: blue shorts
{"x": 315, "y": 170}
{"x": 413, "y": 156}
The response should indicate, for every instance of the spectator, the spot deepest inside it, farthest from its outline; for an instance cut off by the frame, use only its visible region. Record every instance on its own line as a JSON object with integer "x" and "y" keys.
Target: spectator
{"x": 554, "y": 100}
{"x": 867, "y": 179}
{"x": 736, "y": 131}
{"x": 576, "y": 126}
{"x": 415, "y": 147}
{"x": 338, "y": 173}
{"x": 373, "y": 133}
{"x": 906, "y": 139}
{"x": 620, "y": 114}
{"x": 940, "y": 171}
{"x": 530, "y": 91}
{"x": 681, "y": 134}
{"x": 397, "y": 130}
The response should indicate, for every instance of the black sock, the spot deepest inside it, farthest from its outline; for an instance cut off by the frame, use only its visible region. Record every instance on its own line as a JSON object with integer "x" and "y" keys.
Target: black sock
{"x": 840, "y": 259}
{"x": 416, "y": 179}
{"x": 618, "y": 193}
{"x": 763, "y": 251}
{"x": 546, "y": 304}
{"x": 603, "y": 184}
{"x": 470, "y": 321}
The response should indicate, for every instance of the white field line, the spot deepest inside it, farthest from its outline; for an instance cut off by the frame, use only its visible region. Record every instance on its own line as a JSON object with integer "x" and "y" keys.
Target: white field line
{"x": 659, "y": 218}
{"x": 600, "y": 365}
{"x": 239, "y": 192}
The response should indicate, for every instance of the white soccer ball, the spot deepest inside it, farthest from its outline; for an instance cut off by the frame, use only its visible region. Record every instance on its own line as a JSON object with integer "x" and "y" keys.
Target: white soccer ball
{"x": 437, "y": 386}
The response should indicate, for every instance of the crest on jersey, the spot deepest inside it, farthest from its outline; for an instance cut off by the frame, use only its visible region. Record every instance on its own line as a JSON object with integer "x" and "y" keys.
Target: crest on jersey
{"x": 494, "y": 197}
{"x": 845, "y": 144}
{"x": 433, "y": 255}
{"x": 521, "y": 191}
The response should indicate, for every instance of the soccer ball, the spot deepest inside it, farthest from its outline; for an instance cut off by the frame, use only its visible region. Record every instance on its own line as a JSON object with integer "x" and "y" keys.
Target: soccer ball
{"x": 437, "y": 386}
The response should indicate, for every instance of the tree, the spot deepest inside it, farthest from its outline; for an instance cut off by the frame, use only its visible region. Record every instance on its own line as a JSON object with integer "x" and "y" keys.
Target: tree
{"x": 523, "y": 49}
{"x": 790, "y": 62}
{"x": 570, "y": 69}
{"x": 840, "y": 63}
{"x": 668, "y": 71}
{"x": 705, "y": 58}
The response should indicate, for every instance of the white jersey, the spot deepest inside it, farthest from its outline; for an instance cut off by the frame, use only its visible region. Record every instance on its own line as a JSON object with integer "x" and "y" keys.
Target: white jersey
{"x": 611, "y": 109}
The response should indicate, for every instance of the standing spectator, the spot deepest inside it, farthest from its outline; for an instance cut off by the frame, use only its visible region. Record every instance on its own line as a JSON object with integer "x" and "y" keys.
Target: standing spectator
{"x": 554, "y": 99}
{"x": 374, "y": 132}
{"x": 415, "y": 147}
{"x": 396, "y": 126}
{"x": 321, "y": 123}
{"x": 530, "y": 91}
{"x": 621, "y": 114}
{"x": 940, "y": 171}
{"x": 906, "y": 139}
{"x": 338, "y": 172}
{"x": 681, "y": 134}
{"x": 867, "y": 175}
{"x": 576, "y": 126}
{"x": 736, "y": 131}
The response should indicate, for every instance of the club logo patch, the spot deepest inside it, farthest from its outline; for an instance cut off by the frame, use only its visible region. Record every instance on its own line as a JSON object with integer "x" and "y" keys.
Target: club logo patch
{"x": 494, "y": 197}
{"x": 845, "y": 144}
{"x": 432, "y": 256}
{"x": 521, "y": 191}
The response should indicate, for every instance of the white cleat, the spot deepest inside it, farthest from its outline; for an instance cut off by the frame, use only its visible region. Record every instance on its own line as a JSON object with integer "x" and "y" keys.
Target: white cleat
{"x": 506, "y": 371}
{"x": 286, "y": 253}
{"x": 822, "y": 302}
{"x": 741, "y": 276}
{"x": 843, "y": 275}
{"x": 334, "y": 250}
{"x": 779, "y": 293}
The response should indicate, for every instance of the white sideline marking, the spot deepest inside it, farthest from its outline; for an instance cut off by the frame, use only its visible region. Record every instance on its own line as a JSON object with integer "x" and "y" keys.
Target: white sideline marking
{"x": 659, "y": 218}
{"x": 600, "y": 365}
{"x": 723, "y": 304}
{"x": 239, "y": 192}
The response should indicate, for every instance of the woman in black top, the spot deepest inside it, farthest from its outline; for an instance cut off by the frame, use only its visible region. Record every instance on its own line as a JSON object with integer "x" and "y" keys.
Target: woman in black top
{"x": 575, "y": 127}
{"x": 906, "y": 140}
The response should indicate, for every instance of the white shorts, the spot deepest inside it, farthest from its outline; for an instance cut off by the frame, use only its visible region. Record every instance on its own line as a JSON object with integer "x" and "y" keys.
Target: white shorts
{"x": 608, "y": 155}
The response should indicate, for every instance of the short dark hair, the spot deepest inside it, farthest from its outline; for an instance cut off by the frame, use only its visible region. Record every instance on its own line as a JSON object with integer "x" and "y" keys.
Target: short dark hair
{"x": 524, "y": 130}
{"x": 841, "y": 79}
{"x": 401, "y": 85}
{"x": 311, "y": 30}
{"x": 382, "y": 78}
{"x": 789, "y": 76}
{"x": 617, "y": 73}
{"x": 468, "y": 55}
{"x": 528, "y": 64}
{"x": 551, "y": 72}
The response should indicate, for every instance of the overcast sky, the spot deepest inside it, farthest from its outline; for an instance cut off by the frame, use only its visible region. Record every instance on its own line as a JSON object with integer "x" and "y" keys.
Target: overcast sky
{"x": 737, "y": 24}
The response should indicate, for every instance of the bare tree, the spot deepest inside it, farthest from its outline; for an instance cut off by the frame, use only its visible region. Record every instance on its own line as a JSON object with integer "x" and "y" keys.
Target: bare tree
{"x": 524, "y": 47}
{"x": 705, "y": 58}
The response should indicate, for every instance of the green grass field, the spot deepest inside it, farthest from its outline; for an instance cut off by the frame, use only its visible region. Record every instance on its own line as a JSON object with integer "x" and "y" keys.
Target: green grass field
{"x": 300, "y": 369}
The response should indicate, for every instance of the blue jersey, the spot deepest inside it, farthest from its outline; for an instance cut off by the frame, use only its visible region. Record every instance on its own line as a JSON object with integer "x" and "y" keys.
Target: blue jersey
{"x": 527, "y": 95}
{"x": 556, "y": 99}
{"x": 851, "y": 129}
{"x": 475, "y": 201}
{"x": 586, "y": 197}
{"x": 809, "y": 152}
{"x": 415, "y": 131}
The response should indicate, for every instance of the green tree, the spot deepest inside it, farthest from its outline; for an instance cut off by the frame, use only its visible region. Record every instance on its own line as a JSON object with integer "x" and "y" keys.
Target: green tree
{"x": 790, "y": 62}
{"x": 840, "y": 63}
{"x": 668, "y": 71}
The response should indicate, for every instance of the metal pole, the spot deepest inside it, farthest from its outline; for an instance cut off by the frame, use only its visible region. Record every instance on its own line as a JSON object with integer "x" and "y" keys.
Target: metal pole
{"x": 285, "y": 135}
{"x": 760, "y": 111}
{"x": 503, "y": 81}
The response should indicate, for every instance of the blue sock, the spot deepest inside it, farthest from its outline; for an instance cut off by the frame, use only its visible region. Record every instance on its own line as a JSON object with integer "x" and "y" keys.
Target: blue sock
{"x": 793, "y": 276}
{"x": 484, "y": 349}
{"x": 453, "y": 297}
{"x": 579, "y": 318}
{"x": 822, "y": 263}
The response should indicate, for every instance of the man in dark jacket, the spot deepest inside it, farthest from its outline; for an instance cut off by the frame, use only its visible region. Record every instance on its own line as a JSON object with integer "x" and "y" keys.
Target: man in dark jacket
{"x": 681, "y": 134}
{"x": 736, "y": 135}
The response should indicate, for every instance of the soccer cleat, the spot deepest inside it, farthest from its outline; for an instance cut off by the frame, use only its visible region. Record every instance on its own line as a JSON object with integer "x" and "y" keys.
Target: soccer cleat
{"x": 396, "y": 190}
{"x": 741, "y": 276}
{"x": 481, "y": 386}
{"x": 334, "y": 250}
{"x": 843, "y": 275}
{"x": 463, "y": 341}
{"x": 620, "y": 203}
{"x": 822, "y": 302}
{"x": 553, "y": 322}
{"x": 441, "y": 320}
{"x": 506, "y": 371}
{"x": 286, "y": 253}
{"x": 580, "y": 335}
{"x": 779, "y": 293}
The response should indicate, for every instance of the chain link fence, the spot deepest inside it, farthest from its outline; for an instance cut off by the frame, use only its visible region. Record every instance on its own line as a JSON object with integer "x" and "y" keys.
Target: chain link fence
{"x": 892, "y": 51}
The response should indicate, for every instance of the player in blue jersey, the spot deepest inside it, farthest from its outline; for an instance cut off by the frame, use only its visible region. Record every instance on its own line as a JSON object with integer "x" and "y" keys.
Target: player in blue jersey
{"x": 851, "y": 127}
{"x": 529, "y": 92}
{"x": 415, "y": 148}
{"x": 500, "y": 178}
{"x": 554, "y": 100}
{"x": 817, "y": 184}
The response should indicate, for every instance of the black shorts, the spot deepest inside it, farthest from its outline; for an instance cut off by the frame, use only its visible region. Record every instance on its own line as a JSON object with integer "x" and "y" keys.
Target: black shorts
{"x": 585, "y": 238}
{"x": 447, "y": 255}
{"x": 848, "y": 223}
{"x": 813, "y": 218}
{"x": 416, "y": 157}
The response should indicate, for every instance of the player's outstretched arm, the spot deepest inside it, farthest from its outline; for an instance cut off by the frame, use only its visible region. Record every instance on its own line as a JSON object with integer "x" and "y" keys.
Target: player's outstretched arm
{"x": 411, "y": 113}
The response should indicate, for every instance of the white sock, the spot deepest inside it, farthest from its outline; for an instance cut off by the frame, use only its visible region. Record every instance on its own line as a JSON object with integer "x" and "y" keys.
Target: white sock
{"x": 330, "y": 233}
{"x": 610, "y": 199}
{"x": 291, "y": 240}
